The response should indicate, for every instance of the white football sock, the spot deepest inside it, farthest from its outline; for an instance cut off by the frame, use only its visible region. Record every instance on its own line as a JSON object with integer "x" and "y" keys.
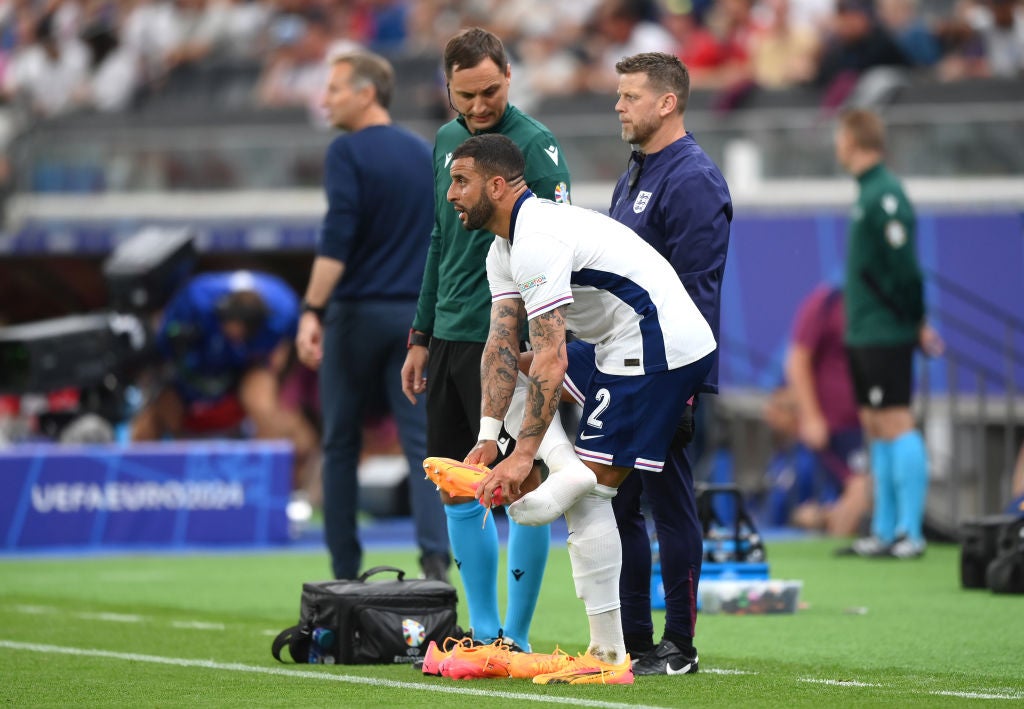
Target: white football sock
{"x": 563, "y": 488}
{"x": 596, "y": 556}
{"x": 568, "y": 480}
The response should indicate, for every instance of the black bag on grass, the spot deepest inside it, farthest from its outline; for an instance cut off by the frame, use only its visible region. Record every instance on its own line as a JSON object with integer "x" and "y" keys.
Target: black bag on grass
{"x": 1005, "y": 574}
{"x": 356, "y": 622}
{"x": 980, "y": 546}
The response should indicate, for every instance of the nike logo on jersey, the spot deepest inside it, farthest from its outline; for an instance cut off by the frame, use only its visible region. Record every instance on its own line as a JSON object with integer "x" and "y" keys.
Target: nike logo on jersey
{"x": 552, "y": 152}
{"x": 447, "y": 159}
{"x": 585, "y": 437}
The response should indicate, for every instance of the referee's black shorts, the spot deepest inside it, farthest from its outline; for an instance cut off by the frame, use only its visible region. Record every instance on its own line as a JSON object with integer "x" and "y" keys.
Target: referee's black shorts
{"x": 883, "y": 375}
{"x": 453, "y": 400}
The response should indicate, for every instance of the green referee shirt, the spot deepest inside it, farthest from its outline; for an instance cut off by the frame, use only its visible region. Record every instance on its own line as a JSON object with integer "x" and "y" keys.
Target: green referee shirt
{"x": 883, "y": 291}
{"x": 455, "y": 301}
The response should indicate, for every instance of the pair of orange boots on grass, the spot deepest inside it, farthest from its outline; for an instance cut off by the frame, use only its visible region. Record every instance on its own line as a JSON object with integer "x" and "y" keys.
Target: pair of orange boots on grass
{"x": 462, "y": 659}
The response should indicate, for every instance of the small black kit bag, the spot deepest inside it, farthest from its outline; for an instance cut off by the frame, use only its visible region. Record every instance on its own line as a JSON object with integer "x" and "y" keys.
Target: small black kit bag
{"x": 1005, "y": 573}
{"x": 358, "y": 622}
{"x": 980, "y": 546}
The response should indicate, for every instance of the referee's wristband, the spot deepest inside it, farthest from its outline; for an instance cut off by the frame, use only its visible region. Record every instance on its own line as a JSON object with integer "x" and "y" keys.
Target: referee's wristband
{"x": 420, "y": 339}
{"x": 490, "y": 429}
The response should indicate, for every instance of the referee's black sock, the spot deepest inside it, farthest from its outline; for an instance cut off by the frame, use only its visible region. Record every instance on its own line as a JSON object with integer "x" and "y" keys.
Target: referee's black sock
{"x": 683, "y": 642}
{"x": 638, "y": 644}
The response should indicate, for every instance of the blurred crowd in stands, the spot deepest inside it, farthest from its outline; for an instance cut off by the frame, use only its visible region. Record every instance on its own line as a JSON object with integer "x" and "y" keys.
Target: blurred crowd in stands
{"x": 58, "y": 56}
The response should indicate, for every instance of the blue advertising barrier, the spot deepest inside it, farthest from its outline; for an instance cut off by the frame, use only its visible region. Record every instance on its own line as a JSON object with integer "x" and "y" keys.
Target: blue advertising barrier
{"x": 776, "y": 259}
{"x": 145, "y": 495}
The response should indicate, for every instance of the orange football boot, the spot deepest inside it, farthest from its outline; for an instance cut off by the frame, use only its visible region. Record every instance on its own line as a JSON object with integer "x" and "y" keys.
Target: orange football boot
{"x": 587, "y": 669}
{"x": 478, "y": 662}
{"x": 456, "y": 478}
{"x": 526, "y": 665}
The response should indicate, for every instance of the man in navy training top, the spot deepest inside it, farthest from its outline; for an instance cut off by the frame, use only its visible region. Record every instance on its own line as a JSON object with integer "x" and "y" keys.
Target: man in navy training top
{"x": 361, "y": 296}
{"x": 675, "y": 197}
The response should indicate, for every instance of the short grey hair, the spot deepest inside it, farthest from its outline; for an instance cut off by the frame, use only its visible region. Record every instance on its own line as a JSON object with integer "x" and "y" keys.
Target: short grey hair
{"x": 370, "y": 69}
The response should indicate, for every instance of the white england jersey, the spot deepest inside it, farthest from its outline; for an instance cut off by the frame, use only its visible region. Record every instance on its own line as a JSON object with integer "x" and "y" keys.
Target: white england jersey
{"x": 619, "y": 293}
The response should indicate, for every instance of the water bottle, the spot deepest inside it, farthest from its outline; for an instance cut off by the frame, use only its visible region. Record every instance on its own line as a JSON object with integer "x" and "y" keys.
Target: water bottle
{"x": 321, "y": 646}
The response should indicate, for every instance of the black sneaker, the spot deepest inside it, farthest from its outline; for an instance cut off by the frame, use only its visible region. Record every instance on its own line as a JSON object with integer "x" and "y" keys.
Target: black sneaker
{"x": 666, "y": 659}
{"x": 435, "y": 567}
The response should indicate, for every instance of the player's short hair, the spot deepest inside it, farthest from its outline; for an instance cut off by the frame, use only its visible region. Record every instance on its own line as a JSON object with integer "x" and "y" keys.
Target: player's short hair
{"x": 665, "y": 73}
{"x": 244, "y": 306}
{"x": 470, "y": 47}
{"x": 865, "y": 128}
{"x": 493, "y": 154}
{"x": 370, "y": 69}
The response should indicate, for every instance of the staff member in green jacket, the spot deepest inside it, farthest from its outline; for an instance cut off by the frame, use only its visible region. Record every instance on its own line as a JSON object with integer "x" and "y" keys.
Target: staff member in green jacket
{"x": 885, "y": 319}
{"x": 451, "y": 324}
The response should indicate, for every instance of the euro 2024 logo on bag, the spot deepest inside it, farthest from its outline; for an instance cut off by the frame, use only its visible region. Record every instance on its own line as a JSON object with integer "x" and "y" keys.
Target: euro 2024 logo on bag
{"x": 413, "y": 632}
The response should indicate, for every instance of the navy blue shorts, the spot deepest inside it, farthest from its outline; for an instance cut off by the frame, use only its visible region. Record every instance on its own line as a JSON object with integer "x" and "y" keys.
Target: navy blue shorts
{"x": 628, "y": 422}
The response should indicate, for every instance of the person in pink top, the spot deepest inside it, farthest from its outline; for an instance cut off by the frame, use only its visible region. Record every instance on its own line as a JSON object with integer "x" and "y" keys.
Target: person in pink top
{"x": 829, "y": 424}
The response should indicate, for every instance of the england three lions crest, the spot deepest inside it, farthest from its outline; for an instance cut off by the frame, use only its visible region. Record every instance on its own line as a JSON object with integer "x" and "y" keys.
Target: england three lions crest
{"x": 641, "y": 202}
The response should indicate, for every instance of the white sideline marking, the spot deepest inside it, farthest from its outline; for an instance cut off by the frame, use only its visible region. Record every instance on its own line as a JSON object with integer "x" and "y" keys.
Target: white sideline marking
{"x": 124, "y": 618}
{"x": 34, "y": 610}
{"x": 940, "y": 693}
{"x": 111, "y": 617}
{"x": 979, "y": 695}
{"x": 721, "y": 671}
{"x": 307, "y": 674}
{"x": 196, "y": 625}
{"x": 838, "y": 682}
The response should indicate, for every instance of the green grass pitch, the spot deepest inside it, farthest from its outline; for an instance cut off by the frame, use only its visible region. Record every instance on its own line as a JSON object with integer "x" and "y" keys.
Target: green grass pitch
{"x": 195, "y": 630}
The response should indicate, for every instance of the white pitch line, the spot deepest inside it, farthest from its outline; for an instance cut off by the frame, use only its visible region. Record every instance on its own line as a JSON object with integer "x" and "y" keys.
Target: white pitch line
{"x": 965, "y": 695}
{"x": 307, "y": 674}
{"x": 980, "y": 695}
{"x": 196, "y": 625}
{"x": 34, "y": 610}
{"x": 838, "y": 682}
{"x": 723, "y": 671}
{"x": 121, "y": 618}
{"x": 110, "y": 617}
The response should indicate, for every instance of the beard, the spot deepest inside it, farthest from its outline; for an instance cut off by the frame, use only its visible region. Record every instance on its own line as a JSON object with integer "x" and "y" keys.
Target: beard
{"x": 479, "y": 214}
{"x": 639, "y": 131}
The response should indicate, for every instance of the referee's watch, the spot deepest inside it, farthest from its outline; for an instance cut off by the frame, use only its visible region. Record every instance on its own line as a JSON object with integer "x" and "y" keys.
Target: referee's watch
{"x": 417, "y": 339}
{"x": 317, "y": 310}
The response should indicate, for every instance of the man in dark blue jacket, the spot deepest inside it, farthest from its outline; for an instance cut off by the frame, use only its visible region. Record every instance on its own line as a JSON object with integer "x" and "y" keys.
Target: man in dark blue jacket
{"x": 362, "y": 296}
{"x": 675, "y": 197}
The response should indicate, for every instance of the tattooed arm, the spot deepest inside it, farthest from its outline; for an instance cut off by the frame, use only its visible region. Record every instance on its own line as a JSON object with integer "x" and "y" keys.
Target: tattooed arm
{"x": 498, "y": 372}
{"x": 499, "y": 365}
{"x": 544, "y": 390}
{"x": 547, "y": 371}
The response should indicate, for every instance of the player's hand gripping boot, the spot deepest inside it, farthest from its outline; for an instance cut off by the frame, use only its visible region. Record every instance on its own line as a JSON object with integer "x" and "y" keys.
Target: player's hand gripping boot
{"x": 458, "y": 479}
